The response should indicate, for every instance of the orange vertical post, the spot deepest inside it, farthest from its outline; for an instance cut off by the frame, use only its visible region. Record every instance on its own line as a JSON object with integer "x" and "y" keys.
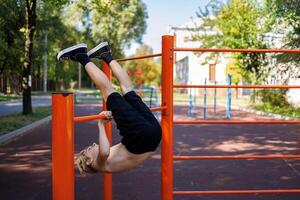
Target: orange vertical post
{"x": 107, "y": 177}
{"x": 167, "y": 118}
{"x": 62, "y": 146}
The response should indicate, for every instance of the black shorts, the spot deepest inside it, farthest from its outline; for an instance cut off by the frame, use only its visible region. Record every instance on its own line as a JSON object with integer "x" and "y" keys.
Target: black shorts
{"x": 140, "y": 129}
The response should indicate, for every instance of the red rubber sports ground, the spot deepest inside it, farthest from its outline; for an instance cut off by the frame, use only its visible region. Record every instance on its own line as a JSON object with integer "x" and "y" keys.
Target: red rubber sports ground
{"x": 25, "y": 164}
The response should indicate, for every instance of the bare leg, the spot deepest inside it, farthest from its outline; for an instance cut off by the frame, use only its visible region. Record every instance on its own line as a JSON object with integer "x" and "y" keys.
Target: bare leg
{"x": 122, "y": 76}
{"x": 100, "y": 79}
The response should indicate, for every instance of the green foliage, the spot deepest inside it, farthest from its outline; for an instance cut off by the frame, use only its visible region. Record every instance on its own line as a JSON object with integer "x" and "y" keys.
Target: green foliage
{"x": 11, "y": 37}
{"x": 117, "y": 21}
{"x": 288, "y": 13}
{"x": 239, "y": 24}
{"x": 286, "y": 110}
{"x": 234, "y": 70}
{"x": 49, "y": 22}
{"x": 150, "y": 68}
{"x": 66, "y": 23}
{"x": 8, "y": 98}
{"x": 274, "y": 97}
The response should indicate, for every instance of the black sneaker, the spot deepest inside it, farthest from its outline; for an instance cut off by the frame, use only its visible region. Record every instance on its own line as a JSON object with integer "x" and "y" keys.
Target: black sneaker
{"x": 72, "y": 52}
{"x": 99, "y": 50}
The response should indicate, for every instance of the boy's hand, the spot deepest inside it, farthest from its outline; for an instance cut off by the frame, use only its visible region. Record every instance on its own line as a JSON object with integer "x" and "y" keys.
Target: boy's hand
{"x": 107, "y": 119}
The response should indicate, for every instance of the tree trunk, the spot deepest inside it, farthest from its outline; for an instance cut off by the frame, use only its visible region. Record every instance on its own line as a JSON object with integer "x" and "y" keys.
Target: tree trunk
{"x": 2, "y": 74}
{"x": 26, "y": 75}
{"x": 4, "y": 84}
{"x": 45, "y": 65}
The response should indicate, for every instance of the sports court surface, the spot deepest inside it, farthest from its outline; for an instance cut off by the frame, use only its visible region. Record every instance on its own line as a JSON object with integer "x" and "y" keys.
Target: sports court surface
{"x": 25, "y": 164}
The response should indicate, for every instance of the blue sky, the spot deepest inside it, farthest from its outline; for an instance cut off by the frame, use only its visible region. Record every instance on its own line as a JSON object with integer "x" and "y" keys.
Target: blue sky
{"x": 161, "y": 14}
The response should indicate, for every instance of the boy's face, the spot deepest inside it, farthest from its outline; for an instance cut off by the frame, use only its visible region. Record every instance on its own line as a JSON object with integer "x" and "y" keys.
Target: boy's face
{"x": 92, "y": 153}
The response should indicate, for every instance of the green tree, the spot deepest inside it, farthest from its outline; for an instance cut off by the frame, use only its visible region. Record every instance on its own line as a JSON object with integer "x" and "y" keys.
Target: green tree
{"x": 288, "y": 12}
{"x": 150, "y": 67}
{"x": 29, "y": 31}
{"x": 30, "y": 21}
{"x": 118, "y": 21}
{"x": 238, "y": 24}
{"x": 51, "y": 22}
{"x": 235, "y": 71}
{"x": 12, "y": 36}
{"x": 24, "y": 25}
{"x": 11, "y": 39}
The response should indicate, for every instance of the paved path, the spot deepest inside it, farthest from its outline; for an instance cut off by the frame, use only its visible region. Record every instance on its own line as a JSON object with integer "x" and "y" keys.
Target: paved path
{"x": 25, "y": 164}
{"x": 37, "y": 101}
{"x": 16, "y": 106}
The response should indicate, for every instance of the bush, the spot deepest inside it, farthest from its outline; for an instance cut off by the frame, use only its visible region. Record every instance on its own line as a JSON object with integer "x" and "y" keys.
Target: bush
{"x": 273, "y": 97}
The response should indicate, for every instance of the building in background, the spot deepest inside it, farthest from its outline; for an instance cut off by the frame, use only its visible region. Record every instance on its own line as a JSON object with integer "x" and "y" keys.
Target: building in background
{"x": 194, "y": 68}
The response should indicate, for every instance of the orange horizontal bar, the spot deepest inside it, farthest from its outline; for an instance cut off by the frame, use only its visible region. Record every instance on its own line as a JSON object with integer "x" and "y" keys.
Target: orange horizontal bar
{"x": 235, "y": 157}
{"x": 235, "y": 192}
{"x": 88, "y": 118}
{"x": 236, "y": 86}
{"x": 237, "y": 122}
{"x": 139, "y": 57}
{"x": 158, "y": 108}
{"x": 239, "y": 50}
{"x": 97, "y": 117}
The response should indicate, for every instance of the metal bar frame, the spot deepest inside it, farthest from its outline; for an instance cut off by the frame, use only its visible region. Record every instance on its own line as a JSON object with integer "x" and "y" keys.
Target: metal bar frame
{"x": 63, "y": 130}
{"x": 237, "y": 122}
{"x": 62, "y": 146}
{"x": 97, "y": 117}
{"x": 223, "y": 192}
{"x": 240, "y": 86}
{"x": 236, "y": 157}
{"x": 167, "y": 118}
{"x": 222, "y": 50}
{"x": 139, "y": 57}
{"x": 63, "y": 140}
{"x": 107, "y": 177}
{"x": 170, "y": 197}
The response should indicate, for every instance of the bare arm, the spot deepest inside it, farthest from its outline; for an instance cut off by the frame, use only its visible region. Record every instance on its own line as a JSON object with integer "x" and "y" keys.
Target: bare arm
{"x": 116, "y": 158}
{"x": 104, "y": 146}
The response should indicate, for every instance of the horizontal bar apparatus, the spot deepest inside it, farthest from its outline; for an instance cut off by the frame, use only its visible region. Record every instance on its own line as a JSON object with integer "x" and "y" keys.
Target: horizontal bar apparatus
{"x": 235, "y": 192}
{"x": 239, "y": 50}
{"x": 97, "y": 117}
{"x": 88, "y": 118}
{"x": 236, "y": 157}
{"x": 236, "y": 122}
{"x": 237, "y": 86}
{"x": 139, "y": 57}
{"x": 158, "y": 108}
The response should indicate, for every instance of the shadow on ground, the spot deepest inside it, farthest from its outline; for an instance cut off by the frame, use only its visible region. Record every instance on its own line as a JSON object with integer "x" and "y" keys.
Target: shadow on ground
{"x": 25, "y": 164}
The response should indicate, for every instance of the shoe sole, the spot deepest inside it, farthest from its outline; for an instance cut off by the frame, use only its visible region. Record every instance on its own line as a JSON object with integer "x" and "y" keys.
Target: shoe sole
{"x": 67, "y": 50}
{"x": 99, "y": 46}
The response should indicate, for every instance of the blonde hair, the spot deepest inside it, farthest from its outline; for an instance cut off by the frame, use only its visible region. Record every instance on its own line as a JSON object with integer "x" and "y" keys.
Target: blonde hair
{"x": 82, "y": 165}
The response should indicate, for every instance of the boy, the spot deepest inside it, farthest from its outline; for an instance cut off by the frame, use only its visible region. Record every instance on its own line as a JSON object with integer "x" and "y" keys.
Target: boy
{"x": 139, "y": 128}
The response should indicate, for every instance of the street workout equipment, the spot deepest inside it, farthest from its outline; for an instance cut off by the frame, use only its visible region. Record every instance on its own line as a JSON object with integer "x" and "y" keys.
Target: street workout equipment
{"x": 192, "y": 108}
{"x": 63, "y": 130}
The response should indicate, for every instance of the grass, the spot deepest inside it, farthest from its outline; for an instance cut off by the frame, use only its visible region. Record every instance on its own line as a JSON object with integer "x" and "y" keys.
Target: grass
{"x": 41, "y": 93}
{"x": 17, "y": 120}
{"x": 8, "y": 98}
{"x": 242, "y": 101}
{"x": 289, "y": 111}
{"x": 179, "y": 98}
